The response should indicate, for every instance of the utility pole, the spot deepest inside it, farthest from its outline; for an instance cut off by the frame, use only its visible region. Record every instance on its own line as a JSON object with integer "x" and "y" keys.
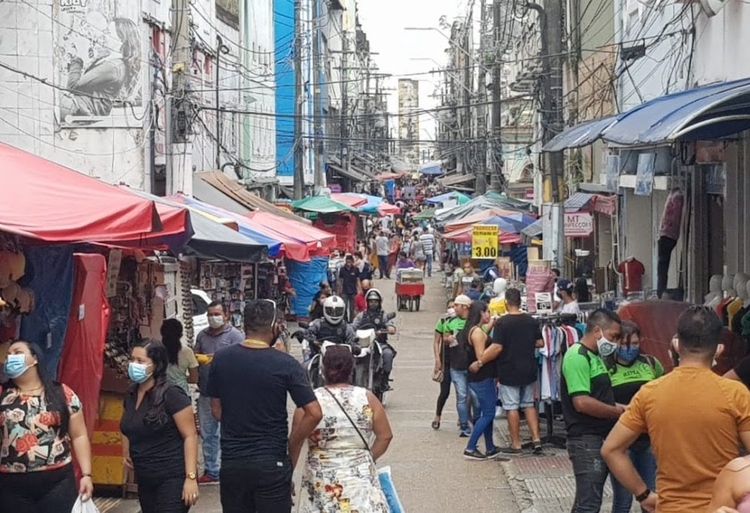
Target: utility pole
{"x": 176, "y": 117}
{"x": 481, "y": 171}
{"x": 221, "y": 48}
{"x": 344, "y": 101}
{"x": 299, "y": 154}
{"x": 319, "y": 176}
{"x": 497, "y": 178}
{"x": 468, "y": 64}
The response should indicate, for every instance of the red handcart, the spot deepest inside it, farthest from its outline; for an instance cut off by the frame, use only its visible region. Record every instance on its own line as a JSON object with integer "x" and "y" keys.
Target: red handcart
{"x": 409, "y": 289}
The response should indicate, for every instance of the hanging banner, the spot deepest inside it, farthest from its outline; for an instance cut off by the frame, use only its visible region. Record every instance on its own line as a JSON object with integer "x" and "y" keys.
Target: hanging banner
{"x": 539, "y": 279}
{"x": 579, "y": 224}
{"x": 484, "y": 241}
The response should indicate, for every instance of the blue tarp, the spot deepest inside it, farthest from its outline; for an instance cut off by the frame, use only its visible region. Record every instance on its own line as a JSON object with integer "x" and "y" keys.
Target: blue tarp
{"x": 433, "y": 169}
{"x": 306, "y": 278}
{"x": 49, "y": 273}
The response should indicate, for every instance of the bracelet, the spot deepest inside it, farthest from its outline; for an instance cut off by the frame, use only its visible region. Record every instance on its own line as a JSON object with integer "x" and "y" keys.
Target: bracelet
{"x": 85, "y": 475}
{"x": 643, "y": 496}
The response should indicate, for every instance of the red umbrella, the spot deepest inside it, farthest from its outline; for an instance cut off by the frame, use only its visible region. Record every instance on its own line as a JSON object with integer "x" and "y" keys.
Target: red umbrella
{"x": 46, "y": 201}
{"x": 349, "y": 199}
{"x": 386, "y": 208}
{"x": 389, "y": 176}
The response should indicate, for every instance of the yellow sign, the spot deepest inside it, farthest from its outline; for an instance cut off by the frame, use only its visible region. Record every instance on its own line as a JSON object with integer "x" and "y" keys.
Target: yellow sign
{"x": 484, "y": 241}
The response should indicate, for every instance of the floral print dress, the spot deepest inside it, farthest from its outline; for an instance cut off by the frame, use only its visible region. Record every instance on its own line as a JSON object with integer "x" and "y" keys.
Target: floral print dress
{"x": 340, "y": 475}
{"x": 30, "y": 435}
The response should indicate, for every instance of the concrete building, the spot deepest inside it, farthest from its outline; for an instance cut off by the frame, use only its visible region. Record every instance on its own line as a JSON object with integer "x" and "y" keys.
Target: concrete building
{"x": 408, "y": 119}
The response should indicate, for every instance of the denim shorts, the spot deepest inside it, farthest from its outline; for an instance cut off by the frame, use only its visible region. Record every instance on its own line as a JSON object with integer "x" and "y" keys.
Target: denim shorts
{"x": 515, "y": 398}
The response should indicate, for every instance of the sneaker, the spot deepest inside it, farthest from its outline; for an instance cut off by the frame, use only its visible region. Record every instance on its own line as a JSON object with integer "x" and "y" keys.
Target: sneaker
{"x": 465, "y": 433}
{"x": 205, "y": 479}
{"x": 536, "y": 447}
{"x": 474, "y": 455}
{"x": 497, "y": 454}
{"x": 511, "y": 450}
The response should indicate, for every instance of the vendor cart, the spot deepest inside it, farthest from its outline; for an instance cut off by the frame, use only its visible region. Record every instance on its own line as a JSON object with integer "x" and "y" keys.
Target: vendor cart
{"x": 409, "y": 289}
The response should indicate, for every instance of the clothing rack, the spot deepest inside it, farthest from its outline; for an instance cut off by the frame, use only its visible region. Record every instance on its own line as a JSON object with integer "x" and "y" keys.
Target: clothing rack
{"x": 556, "y": 320}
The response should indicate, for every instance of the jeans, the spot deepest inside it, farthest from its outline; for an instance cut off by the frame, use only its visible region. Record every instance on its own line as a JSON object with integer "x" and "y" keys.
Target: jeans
{"x": 487, "y": 396}
{"x": 645, "y": 463}
{"x": 48, "y": 491}
{"x": 383, "y": 266}
{"x": 460, "y": 379}
{"x": 210, "y": 436}
{"x": 162, "y": 495}
{"x": 349, "y": 302}
{"x": 389, "y": 354}
{"x": 260, "y": 486}
{"x": 428, "y": 263}
{"x": 665, "y": 247}
{"x": 590, "y": 472}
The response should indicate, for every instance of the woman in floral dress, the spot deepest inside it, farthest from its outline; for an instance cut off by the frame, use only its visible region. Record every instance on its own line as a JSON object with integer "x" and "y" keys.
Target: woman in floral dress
{"x": 41, "y": 425}
{"x": 340, "y": 475}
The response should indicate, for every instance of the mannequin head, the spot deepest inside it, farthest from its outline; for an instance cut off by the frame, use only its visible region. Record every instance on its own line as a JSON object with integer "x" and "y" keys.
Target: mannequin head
{"x": 747, "y": 290}
{"x": 740, "y": 284}
{"x": 714, "y": 284}
{"x": 742, "y": 290}
{"x": 727, "y": 284}
{"x": 500, "y": 286}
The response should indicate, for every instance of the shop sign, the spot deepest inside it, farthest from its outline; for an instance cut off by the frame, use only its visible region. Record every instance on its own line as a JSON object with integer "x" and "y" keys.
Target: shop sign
{"x": 484, "y": 241}
{"x": 530, "y": 194}
{"x": 113, "y": 271}
{"x": 579, "y": 224}
{"x": 543, "y": 301}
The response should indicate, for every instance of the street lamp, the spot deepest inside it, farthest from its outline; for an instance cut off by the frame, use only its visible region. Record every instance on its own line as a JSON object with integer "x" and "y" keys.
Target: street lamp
{"x": 450, "y": 40}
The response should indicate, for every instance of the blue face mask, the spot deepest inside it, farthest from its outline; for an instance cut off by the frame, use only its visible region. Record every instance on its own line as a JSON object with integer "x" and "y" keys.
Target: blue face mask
{"x": 15, "y": 365}
{"x": 628, "y": 353}
{"x": 138, "y": 372}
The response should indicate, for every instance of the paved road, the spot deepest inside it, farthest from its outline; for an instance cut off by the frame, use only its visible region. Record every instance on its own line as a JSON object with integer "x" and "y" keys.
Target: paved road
{"x": 429, "y": 471}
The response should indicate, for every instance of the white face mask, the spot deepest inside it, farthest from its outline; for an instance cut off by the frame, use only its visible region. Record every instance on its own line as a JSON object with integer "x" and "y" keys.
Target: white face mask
{"x": 605, "y": 346}
{"x": 216, "y": 321}
{"x": 451, "y": 312}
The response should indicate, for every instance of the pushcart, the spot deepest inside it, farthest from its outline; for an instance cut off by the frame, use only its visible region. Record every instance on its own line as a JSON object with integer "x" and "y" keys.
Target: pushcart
{"x": 409, "y": 289}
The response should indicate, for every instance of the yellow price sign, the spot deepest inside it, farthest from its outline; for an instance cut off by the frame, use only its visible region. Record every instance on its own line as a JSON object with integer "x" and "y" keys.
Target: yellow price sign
{"x": 484, "y": 241}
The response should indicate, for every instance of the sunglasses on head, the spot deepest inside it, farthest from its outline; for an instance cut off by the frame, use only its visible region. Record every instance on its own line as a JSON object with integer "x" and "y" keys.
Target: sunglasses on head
{"x": 273, "y": 322}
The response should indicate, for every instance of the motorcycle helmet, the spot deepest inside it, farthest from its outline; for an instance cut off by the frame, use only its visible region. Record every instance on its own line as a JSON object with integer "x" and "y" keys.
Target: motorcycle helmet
{"x": 334, "y": 309}
{"x": 374, "y": 295}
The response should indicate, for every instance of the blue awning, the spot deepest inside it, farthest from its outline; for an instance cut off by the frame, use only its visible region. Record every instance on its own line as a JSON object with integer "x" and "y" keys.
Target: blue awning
{"x": 708, "y": 112}
{"x": 577, "y": 201}
{"x": 432, "y": 169}
{"x": 579, "y": 135}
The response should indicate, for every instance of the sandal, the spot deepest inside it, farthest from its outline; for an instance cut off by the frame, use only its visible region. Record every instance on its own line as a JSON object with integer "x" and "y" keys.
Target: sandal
{"x": 435, "y": 425}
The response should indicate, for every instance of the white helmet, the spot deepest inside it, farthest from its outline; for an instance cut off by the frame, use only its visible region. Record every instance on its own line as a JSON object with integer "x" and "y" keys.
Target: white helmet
{"x": 374, "y": 295}
{"x": 334, "y": 309}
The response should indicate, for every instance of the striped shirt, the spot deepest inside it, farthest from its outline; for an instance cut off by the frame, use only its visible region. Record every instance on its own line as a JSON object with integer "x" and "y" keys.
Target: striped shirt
{"x": 428, "y": 240}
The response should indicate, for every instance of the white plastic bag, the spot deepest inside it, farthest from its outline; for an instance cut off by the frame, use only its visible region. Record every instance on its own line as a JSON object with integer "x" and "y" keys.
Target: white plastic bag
{"x": 84, "y": 507}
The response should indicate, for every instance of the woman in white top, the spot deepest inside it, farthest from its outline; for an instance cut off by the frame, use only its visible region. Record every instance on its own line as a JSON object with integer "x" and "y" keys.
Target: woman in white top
{"x": 183, "y": 367}
{"x": 340, "y": 473}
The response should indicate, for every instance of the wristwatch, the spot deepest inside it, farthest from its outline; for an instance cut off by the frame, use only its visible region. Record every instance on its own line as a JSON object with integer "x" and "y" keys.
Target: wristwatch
{"x": 643, "y": 496}
{"x": 192, "y": 476}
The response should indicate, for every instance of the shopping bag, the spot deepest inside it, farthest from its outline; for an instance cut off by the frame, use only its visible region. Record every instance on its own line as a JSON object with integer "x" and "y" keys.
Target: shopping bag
{"x": 82, "y": 506}
{"x": 389, "y": 490}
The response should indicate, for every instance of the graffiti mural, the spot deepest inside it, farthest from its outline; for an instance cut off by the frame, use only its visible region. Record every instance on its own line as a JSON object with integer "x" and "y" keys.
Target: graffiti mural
{"x": 100, "y": 61}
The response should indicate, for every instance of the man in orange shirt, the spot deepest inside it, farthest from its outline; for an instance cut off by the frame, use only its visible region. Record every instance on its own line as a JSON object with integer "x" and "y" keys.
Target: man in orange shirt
{"x": 695, "y": 418}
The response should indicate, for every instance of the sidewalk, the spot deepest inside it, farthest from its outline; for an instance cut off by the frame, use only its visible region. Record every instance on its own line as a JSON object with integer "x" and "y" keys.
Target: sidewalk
{"x": 543, "y": 484}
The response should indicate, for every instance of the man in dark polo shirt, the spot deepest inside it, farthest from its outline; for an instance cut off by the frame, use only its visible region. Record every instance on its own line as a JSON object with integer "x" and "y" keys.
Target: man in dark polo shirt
{"x": 349, "y": 286}
{"x": 589, "y": 408}
{"x": 248, "y": 385}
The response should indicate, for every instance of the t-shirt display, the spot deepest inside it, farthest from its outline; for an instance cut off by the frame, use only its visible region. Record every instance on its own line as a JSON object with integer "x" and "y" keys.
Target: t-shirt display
{"x": 584, "y": 373}
{"x": 632, "y": 271}
{"x": 517, "y": 363}
{"x": 691, "y": 447}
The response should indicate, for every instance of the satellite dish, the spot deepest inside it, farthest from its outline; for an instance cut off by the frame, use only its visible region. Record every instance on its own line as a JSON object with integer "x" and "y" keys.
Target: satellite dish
{"x": 712, "y": 7}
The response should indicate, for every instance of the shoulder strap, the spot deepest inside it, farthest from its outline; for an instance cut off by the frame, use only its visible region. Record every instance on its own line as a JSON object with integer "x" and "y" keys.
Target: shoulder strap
{"x": 364, "y": 440}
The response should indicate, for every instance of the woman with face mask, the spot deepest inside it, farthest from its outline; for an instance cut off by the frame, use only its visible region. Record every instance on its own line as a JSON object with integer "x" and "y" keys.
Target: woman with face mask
{"x": 629, "y": 370}
{"x": 41, "y": 425}
{"x": 159, "y": 439}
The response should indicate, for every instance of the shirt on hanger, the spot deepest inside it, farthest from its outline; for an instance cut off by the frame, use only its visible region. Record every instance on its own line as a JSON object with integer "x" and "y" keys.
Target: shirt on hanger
{"x": 633, "y": 272}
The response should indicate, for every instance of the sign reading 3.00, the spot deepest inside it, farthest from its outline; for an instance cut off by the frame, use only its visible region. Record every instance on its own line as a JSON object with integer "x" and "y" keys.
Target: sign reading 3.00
{"x": 484, "y": 241}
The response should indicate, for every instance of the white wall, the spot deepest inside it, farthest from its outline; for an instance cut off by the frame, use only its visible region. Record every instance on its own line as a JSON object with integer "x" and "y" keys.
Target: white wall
{"x": 41, "y": 38}
{"x": 722, "y": 42}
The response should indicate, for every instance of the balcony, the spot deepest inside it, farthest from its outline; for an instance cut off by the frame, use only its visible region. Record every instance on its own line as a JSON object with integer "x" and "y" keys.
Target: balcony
{"x": 524, "y": 60}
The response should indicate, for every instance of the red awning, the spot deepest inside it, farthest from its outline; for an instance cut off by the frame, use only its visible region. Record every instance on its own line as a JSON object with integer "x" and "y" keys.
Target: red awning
{"x": 605, "y": 204}
{"x": 464, "y": 235}
{"x": 386, "y": 208}
{"x": 300, "y": 240}
{"x": 389, "y": 176}
{"x": 349, "y": 199}
{"x": 46, "y": 201}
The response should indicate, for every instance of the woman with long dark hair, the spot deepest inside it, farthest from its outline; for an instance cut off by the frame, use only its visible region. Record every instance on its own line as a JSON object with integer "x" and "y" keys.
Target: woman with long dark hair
{"x": 354, "y": 432}
{"x": 183, "y": 367}
{"x": 159, "y": 438}
{"x": 41, "y": 420}
{"x": 629, "y": 370}
{"x": 481, "y": 379}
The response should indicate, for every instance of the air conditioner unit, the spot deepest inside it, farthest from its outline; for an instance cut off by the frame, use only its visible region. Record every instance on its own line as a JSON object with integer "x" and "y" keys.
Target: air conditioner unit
{"x": 712, "y": 7}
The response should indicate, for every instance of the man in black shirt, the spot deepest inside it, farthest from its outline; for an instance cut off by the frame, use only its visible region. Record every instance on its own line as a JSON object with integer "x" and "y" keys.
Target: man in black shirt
{"x": 518, "y": 336}
{"x": 248, "y": 384}
{"x": 349, "y": 286}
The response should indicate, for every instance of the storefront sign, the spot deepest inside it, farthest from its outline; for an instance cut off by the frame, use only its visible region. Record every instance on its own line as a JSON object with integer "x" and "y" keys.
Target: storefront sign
{"x": 113, "y": 271}
{"x": 539, "y": 279}
{"x": 543, "y": 301}
{"x": 579, "y": 224}
{"x": 484, "y": 241}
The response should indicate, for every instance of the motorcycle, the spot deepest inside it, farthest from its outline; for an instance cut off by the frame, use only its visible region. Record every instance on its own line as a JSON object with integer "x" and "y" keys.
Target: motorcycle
{"x": 312, "y": 354}
{"x": 370, "y": 371}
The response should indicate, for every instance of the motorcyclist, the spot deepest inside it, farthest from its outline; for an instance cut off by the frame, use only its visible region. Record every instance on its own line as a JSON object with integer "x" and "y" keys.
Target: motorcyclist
{"x": 375, "y": 318}
{"x": 332, "y": 326}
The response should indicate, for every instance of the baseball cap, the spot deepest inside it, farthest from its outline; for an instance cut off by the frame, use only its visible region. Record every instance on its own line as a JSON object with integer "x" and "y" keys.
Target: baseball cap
{"x": 463, "y": 299}
{"x": 565, "y": 285}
